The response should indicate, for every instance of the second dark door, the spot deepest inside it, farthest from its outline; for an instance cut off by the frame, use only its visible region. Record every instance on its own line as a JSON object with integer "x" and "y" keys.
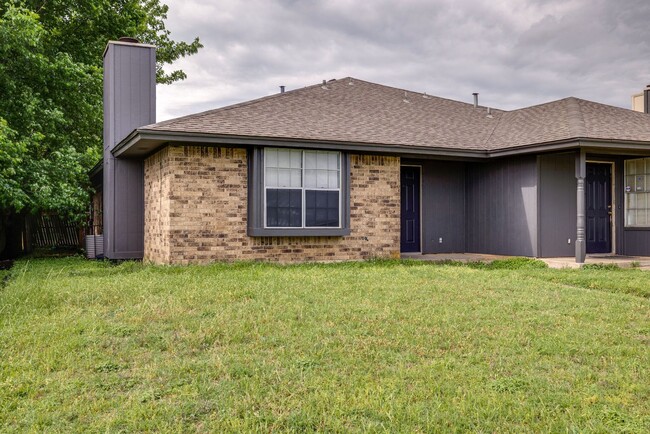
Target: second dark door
{"x": 410, "y": 210}
{"x": 599, "y": 208}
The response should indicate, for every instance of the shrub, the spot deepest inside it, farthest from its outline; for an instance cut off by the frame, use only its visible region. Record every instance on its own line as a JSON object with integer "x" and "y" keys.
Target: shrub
{"x": 601, "y": 267}
{"x": 516, "y": 264}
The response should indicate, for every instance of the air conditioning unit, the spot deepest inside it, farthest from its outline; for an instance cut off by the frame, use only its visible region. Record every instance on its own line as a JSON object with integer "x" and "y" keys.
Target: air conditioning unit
{"x": 95, "y": 246}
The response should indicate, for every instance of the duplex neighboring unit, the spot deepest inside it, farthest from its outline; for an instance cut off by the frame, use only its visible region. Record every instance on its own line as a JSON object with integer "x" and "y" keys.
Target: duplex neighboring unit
{"x": 348, "y": 169}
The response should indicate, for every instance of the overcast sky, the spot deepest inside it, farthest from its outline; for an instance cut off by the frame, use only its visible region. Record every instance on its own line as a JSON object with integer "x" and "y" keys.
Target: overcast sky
{"x": 515, "y": 53}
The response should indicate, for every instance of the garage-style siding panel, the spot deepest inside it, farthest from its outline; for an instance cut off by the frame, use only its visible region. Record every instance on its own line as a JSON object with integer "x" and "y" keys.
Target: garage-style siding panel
{"x": 443, "y": 206}
{"x": 501, "y": 207}
{"x": 557, "y": 200}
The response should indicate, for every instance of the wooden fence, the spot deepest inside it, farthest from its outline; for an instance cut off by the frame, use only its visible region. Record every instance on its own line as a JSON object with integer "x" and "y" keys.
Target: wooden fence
{"x": 50, "y": 230}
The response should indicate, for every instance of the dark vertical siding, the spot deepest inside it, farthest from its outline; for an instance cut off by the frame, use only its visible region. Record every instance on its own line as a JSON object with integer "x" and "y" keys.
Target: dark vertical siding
{"x": 443, "y": 206}
{"x": 129, "y": 103}
{"x": 636, "y": 242}
{"x": 557, "y": 205}
{"x": 502, "y": 207}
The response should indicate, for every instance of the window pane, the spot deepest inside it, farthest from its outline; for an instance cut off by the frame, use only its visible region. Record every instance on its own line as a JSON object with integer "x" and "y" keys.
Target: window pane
{"x": 333, "y": 161}
{"x": 629, "y": 218}
{"x": 310, "y": 178}
{"x": 310, "y": 160}
{"x": 631, "y": 201}
{"x": 296, "y": 178}
{"x": 271, "y": 157}
{"x": 288, "y": 178}
{"x": 640, "y": 217}
{"x": 641, "y": 201}
{"x": 284, "y": 158}
{"x": 296, "y": 159}
{"x": 283, "y": 208}
{"x": 286, "y": 173}
{"x": 321, "y": 179}
{"x": 334, "y": 179}
{"x": 271, "y": 177}
{"x": 637, "y": 198}
{"x": 322, "y": 160}
{"x": 640, "y": 166}
{"x": 321, "y": 208}
{"x": 284, "y": 178}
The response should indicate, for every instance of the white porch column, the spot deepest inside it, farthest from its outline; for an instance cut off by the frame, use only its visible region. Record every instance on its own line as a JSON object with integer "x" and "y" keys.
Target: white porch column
{"x": 581, "y": 221}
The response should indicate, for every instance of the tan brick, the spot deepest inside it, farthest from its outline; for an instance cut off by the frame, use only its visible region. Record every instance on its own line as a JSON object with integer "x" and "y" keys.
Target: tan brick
{"x": 196, "y": 204}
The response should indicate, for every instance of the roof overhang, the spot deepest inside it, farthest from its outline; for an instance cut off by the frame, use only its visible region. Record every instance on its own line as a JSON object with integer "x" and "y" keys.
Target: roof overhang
{"x": 97, "y": 169}
{"x": 96, "y": 175}
{"x": 144, "y": 142}
{"x": 603, "y": 146}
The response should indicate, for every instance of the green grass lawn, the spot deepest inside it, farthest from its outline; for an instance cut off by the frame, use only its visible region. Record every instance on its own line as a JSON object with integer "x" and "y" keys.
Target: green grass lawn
{"x": 377, "y": 346}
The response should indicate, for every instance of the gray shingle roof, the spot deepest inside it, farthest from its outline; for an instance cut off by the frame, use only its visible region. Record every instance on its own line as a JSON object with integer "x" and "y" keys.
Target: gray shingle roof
{"x": 566, "y": 119}
{"x": 352, "y": 110}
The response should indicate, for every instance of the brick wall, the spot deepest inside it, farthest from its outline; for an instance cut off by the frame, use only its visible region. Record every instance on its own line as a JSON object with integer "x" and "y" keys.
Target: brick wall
{"x": 158, "y": 177}
{"x": 196, "y": 211}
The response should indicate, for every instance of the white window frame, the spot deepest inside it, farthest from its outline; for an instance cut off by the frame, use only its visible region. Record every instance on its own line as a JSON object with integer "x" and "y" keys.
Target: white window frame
{"x": 631, "y": 188}
{"x": 304, "y": 190}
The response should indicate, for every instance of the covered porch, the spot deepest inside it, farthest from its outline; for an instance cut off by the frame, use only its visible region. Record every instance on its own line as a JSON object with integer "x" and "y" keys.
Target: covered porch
{"x": 612, "y": 204}
{"x": 641, "y": 262}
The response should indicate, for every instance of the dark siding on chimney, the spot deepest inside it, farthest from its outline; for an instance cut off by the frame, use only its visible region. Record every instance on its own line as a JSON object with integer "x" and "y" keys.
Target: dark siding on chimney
{"x": 129, "y": 103}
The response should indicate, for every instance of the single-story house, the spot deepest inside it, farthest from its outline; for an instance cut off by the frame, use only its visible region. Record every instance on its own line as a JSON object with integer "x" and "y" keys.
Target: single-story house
{"x": 346, "y": 169}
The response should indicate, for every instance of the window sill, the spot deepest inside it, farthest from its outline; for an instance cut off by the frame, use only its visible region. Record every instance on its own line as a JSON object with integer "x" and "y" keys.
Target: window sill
{"x": 636, "y": 228}
{"x": 298, "y": 232}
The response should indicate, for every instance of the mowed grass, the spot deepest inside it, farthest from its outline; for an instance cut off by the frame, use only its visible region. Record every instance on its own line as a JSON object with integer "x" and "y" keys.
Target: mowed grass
{"x": 377, "y": 346}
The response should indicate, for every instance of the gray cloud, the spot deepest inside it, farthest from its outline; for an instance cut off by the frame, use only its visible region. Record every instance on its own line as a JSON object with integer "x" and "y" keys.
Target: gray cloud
{"x": 514, "y": 52}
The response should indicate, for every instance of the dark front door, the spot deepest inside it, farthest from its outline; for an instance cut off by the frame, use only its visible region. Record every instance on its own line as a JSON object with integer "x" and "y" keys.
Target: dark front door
{"x": 410, "y": 197}
{"x": 599, "y": 208}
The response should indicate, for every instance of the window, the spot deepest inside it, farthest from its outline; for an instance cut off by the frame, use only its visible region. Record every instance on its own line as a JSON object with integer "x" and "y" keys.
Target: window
{"x": 298, "y": 192}
{"x": 637, "y": 192}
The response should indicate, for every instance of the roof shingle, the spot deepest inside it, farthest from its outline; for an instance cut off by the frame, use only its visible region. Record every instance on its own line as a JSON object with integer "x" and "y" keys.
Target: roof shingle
{"x": 356, "y": 111}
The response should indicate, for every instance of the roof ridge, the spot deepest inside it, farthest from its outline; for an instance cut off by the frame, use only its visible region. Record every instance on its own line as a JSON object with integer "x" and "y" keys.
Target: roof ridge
{"x": 555, "y": 101}
{"x": 231, "y": 106}
{"x": 173, "y": 121}
{"x": 422, "y": 93}
{"x": 575, "y": 118}
{"x": 486, "y": 143}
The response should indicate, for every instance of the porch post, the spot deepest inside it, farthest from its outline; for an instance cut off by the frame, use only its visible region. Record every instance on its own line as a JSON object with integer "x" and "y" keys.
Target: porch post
{"x": 581, "y": 223}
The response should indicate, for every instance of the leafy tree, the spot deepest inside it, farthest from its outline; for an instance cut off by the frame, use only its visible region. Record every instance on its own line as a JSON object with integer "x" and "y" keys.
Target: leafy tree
{"x": 51, "y": 93}
{"x": 81, "y": 28}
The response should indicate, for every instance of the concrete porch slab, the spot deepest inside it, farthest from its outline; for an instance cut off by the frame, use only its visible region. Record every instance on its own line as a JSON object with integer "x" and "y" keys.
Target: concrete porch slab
{"x": 460, "y": 257}
{"x": 642, "y": 262}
